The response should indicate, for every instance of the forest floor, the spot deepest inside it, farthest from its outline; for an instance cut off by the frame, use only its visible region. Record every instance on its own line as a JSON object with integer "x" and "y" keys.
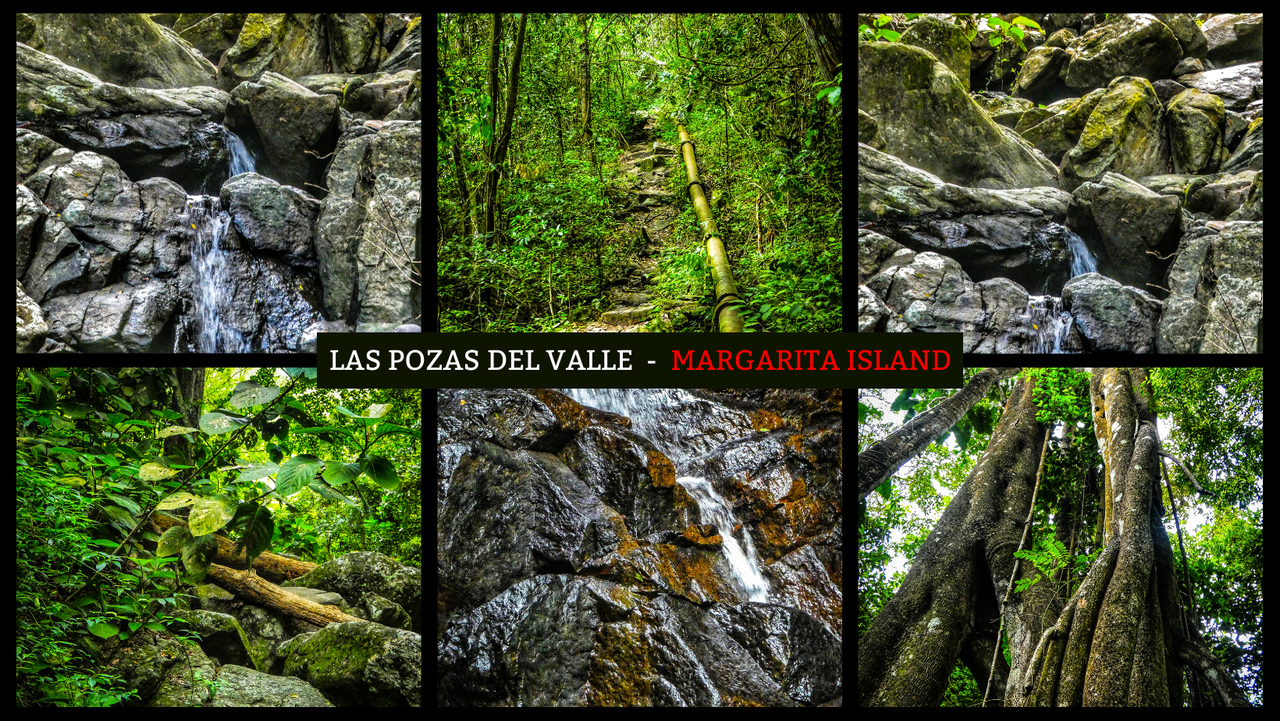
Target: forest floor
{"x": 645, "y": 225}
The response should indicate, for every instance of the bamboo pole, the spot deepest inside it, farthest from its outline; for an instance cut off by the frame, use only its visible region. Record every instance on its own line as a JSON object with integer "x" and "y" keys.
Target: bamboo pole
{"x": 727, "y": 316}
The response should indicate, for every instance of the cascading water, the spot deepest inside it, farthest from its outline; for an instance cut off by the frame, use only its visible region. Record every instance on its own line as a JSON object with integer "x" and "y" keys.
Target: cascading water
{"x": 1050, "y": 324}
{"x": 1082, "y": 261}
{"x": 241, "y": 161}
{"x": 743, "y": 562}
{"x": 666, "y": 416}
{"x": 213, "y": 289}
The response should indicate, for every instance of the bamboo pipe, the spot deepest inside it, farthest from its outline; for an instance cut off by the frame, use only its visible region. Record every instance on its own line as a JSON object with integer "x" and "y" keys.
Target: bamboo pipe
{"x": 728, "y": 315}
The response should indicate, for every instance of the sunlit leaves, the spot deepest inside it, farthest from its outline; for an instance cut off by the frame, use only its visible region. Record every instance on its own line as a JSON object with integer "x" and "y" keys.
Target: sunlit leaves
{"x": 216, "y": 423}
{"x": 155, "y": 472}
{"x": 260, "y": 469}
{"x": 210, "y": 514}
{"x": 172, "y": 541}
{"x": 181, "y": 499}
{"x": 175, "y": 431}
{"x": 337, "y": 474}
{"x": 248, "y": 394}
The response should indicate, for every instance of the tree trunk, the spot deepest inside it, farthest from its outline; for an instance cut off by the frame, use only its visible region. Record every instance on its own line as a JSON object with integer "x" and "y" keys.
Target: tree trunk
{"x": 265, "y": 593}
{"x": 906, "y": 657}
{"x": 882, "y": 459}
{"x": 1120, "y": 640}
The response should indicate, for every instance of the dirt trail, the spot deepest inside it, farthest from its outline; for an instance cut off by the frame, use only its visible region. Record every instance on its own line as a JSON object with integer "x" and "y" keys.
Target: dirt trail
{"x": 644, "y": 224}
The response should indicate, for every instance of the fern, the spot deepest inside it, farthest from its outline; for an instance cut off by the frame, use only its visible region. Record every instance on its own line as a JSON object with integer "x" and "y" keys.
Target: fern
{"x": 1048, "y": 560}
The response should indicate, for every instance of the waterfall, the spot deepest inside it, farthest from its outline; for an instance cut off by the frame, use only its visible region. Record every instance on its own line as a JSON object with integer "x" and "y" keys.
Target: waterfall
{"x": 670, "y": 419}
{"x": 743, "y": 562}
{"x": 1082, "y": 261}
{"x": 241, "y": 161}
{"x": 214, "y": 284}
{"x": 1049, "y": 324}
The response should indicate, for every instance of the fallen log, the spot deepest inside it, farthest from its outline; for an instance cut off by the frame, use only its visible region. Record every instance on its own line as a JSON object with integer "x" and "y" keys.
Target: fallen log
{"x": 264, "y": 593}
{"x": 273, "y": 567}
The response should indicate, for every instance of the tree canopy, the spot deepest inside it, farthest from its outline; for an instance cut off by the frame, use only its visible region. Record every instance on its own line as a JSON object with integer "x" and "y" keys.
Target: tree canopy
{"x": 1210, "y": 419}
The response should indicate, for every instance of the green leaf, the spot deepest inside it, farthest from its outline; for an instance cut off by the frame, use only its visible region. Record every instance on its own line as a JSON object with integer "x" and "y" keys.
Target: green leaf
{"x": 248, "y": 394}
{"x": 258, "y": 527}
{"x": 216, "y": 423}
{"x": 886, "y": 488}
{"x": 155, "y": 472}
{"x": 210, "y": 514}
{"x": 103, "y": 629}
{"x": 337, "y": 474}
{"x": 382, "y": 471}
{"x": 198, "y": 553}
{"x": 296, "y": 473}
{"x": 181, "y": 499}
{"x": 260, "y": 469}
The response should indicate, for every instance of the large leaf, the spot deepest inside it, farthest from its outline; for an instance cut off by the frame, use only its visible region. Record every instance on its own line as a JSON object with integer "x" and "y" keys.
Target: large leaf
{"x": 329, "y": 493}
{"x": 248, "y": 394}
{"x": 177, "y": 500}
{"x": 175, "y": 431}
{"x": 155, "y": 472}
{"x": 257, "y": 470}
{"x": 210, "y": 514}
{"x": 257, "y": 528}
{"x": 382, "y": 471}
{"x": 338, "y": 474}
{"x": 296, "y": 473}
{"x": 172, "y": 541}
{"x": 197, "y": 554}
{"x": 216, "y": 423}
{"x": 120, "y": 517}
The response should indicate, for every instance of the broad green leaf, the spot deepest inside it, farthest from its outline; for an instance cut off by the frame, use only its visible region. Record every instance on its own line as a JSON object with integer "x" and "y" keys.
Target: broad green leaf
{"x": 309, "y": 373}
{"x": 198, "y": 553}
{"x": 181, "y": 499}
{"x": 155, "y": 472}
{"x": 332, "y": 495}
{"x": 172, "y": 541}
{"x": 377, "y": 410}
{"x": 120, "y": 516}
{"x": 257, "y": 528}
{"x": 338, "y": 474}
{"x": 216, "y": 423}
{"x": 210, "y": 514}
{"x": 886, "y": 488}
{"x": 248, "y": 394}
{"x": 176, "y": 431}
{"x": 256, "y": 471}
{"x": 296, "y": 473}
{"x": 103, "y": 629}
{"x": 126, "y": 503}
{"x": 382, "y": 471}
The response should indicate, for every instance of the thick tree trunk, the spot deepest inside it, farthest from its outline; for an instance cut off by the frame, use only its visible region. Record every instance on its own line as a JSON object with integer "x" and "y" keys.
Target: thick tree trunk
{"x": 1120, "y": 640}
{"x": 881, "y": 460}
{"x": 906, "y": 657}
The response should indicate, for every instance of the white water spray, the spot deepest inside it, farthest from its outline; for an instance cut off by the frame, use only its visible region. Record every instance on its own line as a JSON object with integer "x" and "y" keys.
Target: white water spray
{"x": 1050, "y": 324}
{"x": 743, "y": 562}
{"x": 213, "y": 282}
{"x": 1082, "y": 261}
{"x": 241, "y": 161}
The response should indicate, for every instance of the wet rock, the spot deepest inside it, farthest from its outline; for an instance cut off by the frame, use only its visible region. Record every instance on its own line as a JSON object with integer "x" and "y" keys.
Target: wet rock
{"x": 588, "y": 577}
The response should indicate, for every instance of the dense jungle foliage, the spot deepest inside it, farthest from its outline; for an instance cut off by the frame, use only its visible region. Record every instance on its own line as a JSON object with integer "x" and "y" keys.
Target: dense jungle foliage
{"x": 262, "y": 455}
{"x": 1210, "y": 418}
{"x": 537, "y": 215}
